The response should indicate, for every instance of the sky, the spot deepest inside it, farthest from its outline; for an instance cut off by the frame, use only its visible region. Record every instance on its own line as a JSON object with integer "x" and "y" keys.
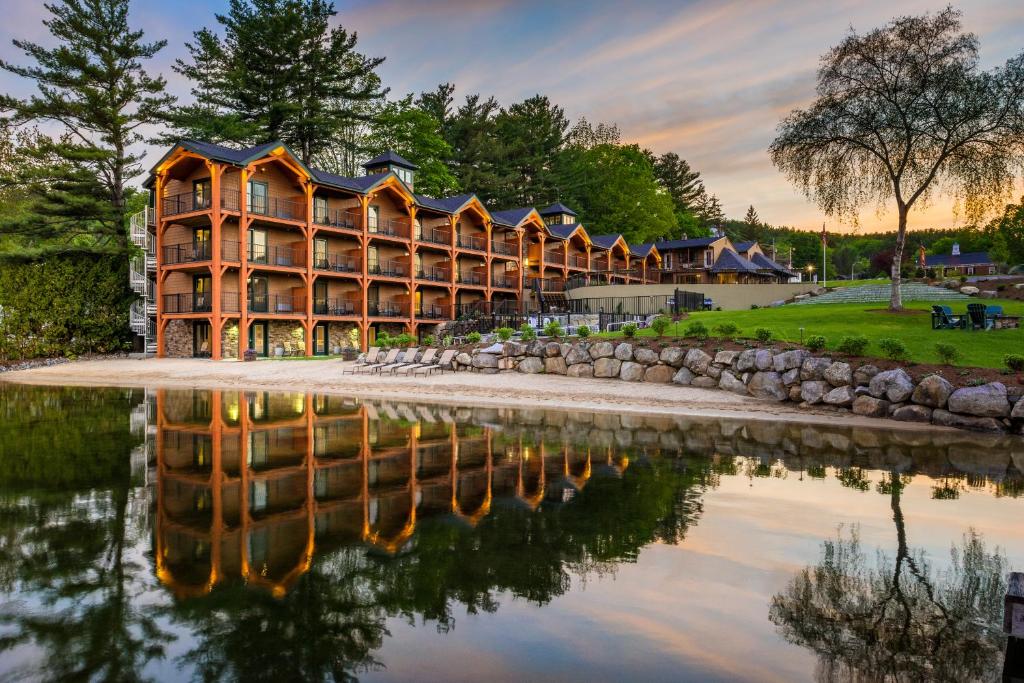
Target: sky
{"x": 707, "y": 80}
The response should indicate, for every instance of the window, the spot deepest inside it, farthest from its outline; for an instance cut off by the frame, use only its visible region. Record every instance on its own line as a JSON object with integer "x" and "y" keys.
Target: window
{"x": 667, "y": 261}
{"x": 201, "y": 191}
{"x": 259, "y": 197}
{"x": 373, "y": 217}
{"x": 417, "y": 229}
{"x": 320, "y": 259}
{"x": 404, "y": 174}
{"x": 320, "y": 210}
{"x": 258, "y": 246}
{"x": 709, "y": 258}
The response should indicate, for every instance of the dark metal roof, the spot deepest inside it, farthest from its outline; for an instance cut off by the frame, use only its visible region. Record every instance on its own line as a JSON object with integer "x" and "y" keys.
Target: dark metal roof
{"x": 976, "y": 258}
{"x": 391, "y": 157}
{"x": 743, "y": 246}
{"x": 557, "y": 207}
{"x": 762, "y": 261}
{"x": 229, "y": 155}
{"x": 729, "y": 261}
{"x": 357, "y": 184}
{"x": 669, "y": 245}
{"x": 605, "y": 241}
{"x": 452, "y": 204}
{"x": 563, "y": 230}
{"x": 511, "y": 217}
{"x": 642, "y": 250}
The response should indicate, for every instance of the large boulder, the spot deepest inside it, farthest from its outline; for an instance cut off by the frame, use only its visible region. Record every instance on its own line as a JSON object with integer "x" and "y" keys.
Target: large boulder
{"x": 512, "y": 348}
{"x": 602, "y": 350}
{"x": 913, "y": 413}
{"x": 791, "y": 377}
{"x": 704, "y": 383}
{"x": 577, "y": 354}
{"x": 683, "y": 376}
{"x": 893, "y": 385}
{"x": 631, "y": 372}
{"x": 988, "y": 400}
{"x": 464, "y": 359}
{"x": 645, "y": 356}
{"x": 726, "y": 357}
{"x": 745, "y": 361}
{"x": 813, "y": 391}
{"x": 789, "y": 360}
{"x": 933, "y": 391}
{"x": 814, "y": 368}
{"x": 1018, "y": 408}
{"x": 580, "y": 370}
{"x": 840, "y": 396}
{"x": 977, "y": 424}
{"x": 531, "y": 365}
{"x": 659, "y": 374}
{"x": 606, "y": 367}
{"x": 730, "y": 382}
{"x": 672, "y": 355}
{"x": 537, "y": 348}
{"x": 552, "y": 349}
{"x": 869, "y": 406}
{"x": 697, "y": 361}
{"x": 839, "y": 374}
{"x": 863, "y": 375}
{"x": 714, "y": 371}
{"x": 555, "y": 366}
{"x": 624, "y": 351}
{"x": 763, "y": 359}
{"x": 969, "y": 290}
{"x": 768, "y": 385}
{"x": 485, "y": 360}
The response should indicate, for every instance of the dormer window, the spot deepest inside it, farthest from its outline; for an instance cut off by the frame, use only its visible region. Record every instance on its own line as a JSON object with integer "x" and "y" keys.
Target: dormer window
{"x": 404, "y": 174}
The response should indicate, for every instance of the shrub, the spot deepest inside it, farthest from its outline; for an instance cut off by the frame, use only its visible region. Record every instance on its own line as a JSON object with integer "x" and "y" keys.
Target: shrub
{"x": 582, "y": 331}
{"x": 1014, "y": 361}
{"x": 527, "y": 333}
{"x": 430, "y": 340}
{"x": 948, "y": 353}
{"x": 763, "y": 334}
{"x": 553, "y": 328}
{"x": 504, "y": 333}
{"x": 816, "y": 342}
{"x": 448, "y": 340}
{"x": 403, "y": 340}
{"x": 728, "y": 330}
{"x": 853, "y": 345}
{"x": 894, "y": 349}
{"x": 660, "y": 325}
{"x": 473, "y": 337}
{"x": 385, "y": 340}
{"x": 754, "y": 307}
{"x": 629, "y": 330}
{"x": 697, "y": 330}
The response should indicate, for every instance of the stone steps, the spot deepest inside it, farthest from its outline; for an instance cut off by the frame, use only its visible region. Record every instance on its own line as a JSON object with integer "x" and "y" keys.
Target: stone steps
{"x": 912, "y": 291}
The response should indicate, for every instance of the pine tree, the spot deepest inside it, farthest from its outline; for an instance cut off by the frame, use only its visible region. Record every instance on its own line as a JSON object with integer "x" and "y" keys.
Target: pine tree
{"x": 476, "y": 148}
{"x": 682, "y": 183}
{"x": 94, "y": 87}
{"x": 279, "y": 73}
{"x": 531, "y": 132}
{"x": 438, "y": 103}
{"x": 752, "y": 219}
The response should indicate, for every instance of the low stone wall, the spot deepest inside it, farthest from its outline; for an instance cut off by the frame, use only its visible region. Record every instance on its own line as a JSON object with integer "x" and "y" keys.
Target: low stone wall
{"x": 770, "y": 374}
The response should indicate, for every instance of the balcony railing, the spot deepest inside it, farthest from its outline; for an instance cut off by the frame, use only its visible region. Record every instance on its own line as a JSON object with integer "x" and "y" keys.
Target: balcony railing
{"x": 285, "y": 256}
{"x": 475, "y": 309}
{"x": 474, "y": 242}
{"x": 187, "y": 202}
{"x": 433, "y": 312}
{"x": 344, "y": 219}
{"x": 554, "y": 257}
{"x": 388, "y": 227}
{"x": 192, "y": 302}
{"x": 388, "y": 309}
{"x": 334, "y": 306}
{"x": 336, "y": 263}
{"x": 434, "y": 274}
{"x": 190, "y": 252}
{"x": 470, "y": 278}
{"x": 503, "y": 248}
{"x": 505, "y": 281}
{"x": 275, "y": 303}
{"x": 546, "y": 284}
{"x": 435, "y": 236}
{"x": 387, "y": 267}
{"x": 577, "y": 261}
{"x": 277, "y": 207}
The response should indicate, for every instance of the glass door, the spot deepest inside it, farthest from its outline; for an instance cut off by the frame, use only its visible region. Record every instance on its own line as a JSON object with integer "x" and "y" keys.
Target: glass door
{"x": 257, "y": 246}
{"x": 201, "y": 244}
{"x": 258, "y": 294}
{"x": 201, "y": 339}
{"x": 320, "y": 297}
{"x": 259, "y": 197}
{"x": 320, "y": 254}
{"x": 202, "y": 286}
{"x": 320, "y": 339}
{"x": 258, "y": 338}
{"x": 201, "y": 191}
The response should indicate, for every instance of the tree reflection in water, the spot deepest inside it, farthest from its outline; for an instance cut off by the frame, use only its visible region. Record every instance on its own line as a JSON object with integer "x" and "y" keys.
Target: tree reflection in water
{"x": 897, "y": 618}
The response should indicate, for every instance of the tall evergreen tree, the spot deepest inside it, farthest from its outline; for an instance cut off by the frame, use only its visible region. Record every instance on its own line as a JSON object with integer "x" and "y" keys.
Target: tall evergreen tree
{"x": 682, "y": 183}
{"x": 438, "y": 103}
{"x": 532, "y": 133}
{"x": 93, "y": 85}
{"x": 476, "y": 148}
{"x": 280, "y": 72}
{"x": 752, "y": 219}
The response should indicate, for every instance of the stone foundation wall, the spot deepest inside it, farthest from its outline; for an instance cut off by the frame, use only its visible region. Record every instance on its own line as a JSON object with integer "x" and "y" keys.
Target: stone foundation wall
{"x": 229, "y": 340}
{"x": 769, "y": 374}
{"x": 281, "y": 331}
{"x": 339, "y": 334}
{"x": 178, "y": 339}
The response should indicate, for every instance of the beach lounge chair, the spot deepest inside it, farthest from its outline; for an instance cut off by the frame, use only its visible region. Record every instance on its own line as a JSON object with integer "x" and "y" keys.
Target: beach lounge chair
{"x": 943, "y": 319}
{"x": 369, "y": 358}
{"x": 390, "y": 358}
{"x": 441, "y": 365}
{"x": 977, "y": 319}
{"x": 427, "y": 359}
{"x": 407, "y": 359}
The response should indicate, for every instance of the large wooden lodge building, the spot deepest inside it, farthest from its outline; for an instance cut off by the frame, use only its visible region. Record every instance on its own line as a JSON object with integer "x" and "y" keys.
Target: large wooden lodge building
{"x": 254, "y": 249}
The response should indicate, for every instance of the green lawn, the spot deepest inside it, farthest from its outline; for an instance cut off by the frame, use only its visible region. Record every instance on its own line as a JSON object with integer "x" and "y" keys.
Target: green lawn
{"x": 834, "y": 321}
{"x": 858, "y": 283}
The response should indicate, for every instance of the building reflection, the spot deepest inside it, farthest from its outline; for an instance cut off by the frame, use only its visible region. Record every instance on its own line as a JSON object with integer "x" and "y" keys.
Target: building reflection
{"x": 251, "y": 484}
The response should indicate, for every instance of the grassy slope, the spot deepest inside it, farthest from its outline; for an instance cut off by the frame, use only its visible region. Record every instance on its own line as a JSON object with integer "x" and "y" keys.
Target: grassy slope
{"x": 834, "y": 321}
{"x": 858, "y": 283}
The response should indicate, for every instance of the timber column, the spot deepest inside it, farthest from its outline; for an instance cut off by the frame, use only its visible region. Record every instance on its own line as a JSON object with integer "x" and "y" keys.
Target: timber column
{"x": 243, "y": 257}
{"x": 308, "y": 233}
{"x": 216, "y": 266}
{"x": 158, "y": 210}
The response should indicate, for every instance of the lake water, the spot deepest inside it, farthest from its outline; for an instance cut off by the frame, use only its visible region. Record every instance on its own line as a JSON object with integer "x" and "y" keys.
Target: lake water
{"x": 180, "y": 535}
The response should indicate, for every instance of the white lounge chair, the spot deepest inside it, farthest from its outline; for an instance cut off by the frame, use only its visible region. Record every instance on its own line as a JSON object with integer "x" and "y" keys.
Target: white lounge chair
{"x": 368, "y": 359}
{"x": 427, "y": 359}
{"x": 407, "y": 359}
{"x": 390, "y": 358}
{"x": 445, "y": 360}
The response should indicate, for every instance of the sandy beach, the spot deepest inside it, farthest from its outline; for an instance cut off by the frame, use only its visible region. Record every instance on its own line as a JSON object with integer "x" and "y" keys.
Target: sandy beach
{"x": 462, "y": 388}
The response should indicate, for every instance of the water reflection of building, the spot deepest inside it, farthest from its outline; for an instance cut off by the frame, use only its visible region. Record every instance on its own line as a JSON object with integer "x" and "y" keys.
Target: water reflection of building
{"x": 250, "y": 485}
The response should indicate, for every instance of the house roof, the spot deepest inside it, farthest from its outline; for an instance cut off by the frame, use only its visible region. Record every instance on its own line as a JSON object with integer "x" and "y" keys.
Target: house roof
{"x": 356, "y": 184}
{"x": 742, "y": 247}
{"x": 729, "y": 261}
{"x": 229, "y": 155}
{"x": 393, "y": 158}
{"x": 762, "y": 261}
{"x": 556, "y": 208}
{"x": 452, "y": 204}
{"x": 563, "y": 231}
{"x": 668, "y": 245}
{"x": 641, "y": 250}
{"x": 511, "y": 218}
{"x": 976, "y": 258}
{"x": 604, "y": 241}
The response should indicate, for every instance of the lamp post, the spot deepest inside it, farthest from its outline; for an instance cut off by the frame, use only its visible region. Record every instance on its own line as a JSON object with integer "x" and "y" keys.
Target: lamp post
{"x": 810, "y": 271}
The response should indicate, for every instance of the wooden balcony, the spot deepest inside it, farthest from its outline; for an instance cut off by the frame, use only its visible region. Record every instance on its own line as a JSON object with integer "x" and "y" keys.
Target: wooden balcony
{"x": 349, "y": 220}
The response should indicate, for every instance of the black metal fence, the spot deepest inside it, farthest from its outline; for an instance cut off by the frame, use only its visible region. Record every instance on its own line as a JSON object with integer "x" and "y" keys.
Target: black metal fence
{"x": 668, "y": 304}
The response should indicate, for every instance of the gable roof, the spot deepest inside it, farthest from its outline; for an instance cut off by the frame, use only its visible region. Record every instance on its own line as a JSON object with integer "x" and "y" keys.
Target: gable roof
{"x": 606, "y": 242}
{"x": 556, "y": 208}
{"x": 511, "y": 218}
{"x": 224, "y": 154}
{"x": 668, "y": 245}
{"x": 393, "y": 158}
{"x": 357, "y": 184}
{"x": 729, "y": 261}
{"x": 642, "y": 250}
{"x": 762, "y": 261}
{"x": 975, "y": 258}
{"x": 563, "y": 231}
{"x": 742, "y": 247}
